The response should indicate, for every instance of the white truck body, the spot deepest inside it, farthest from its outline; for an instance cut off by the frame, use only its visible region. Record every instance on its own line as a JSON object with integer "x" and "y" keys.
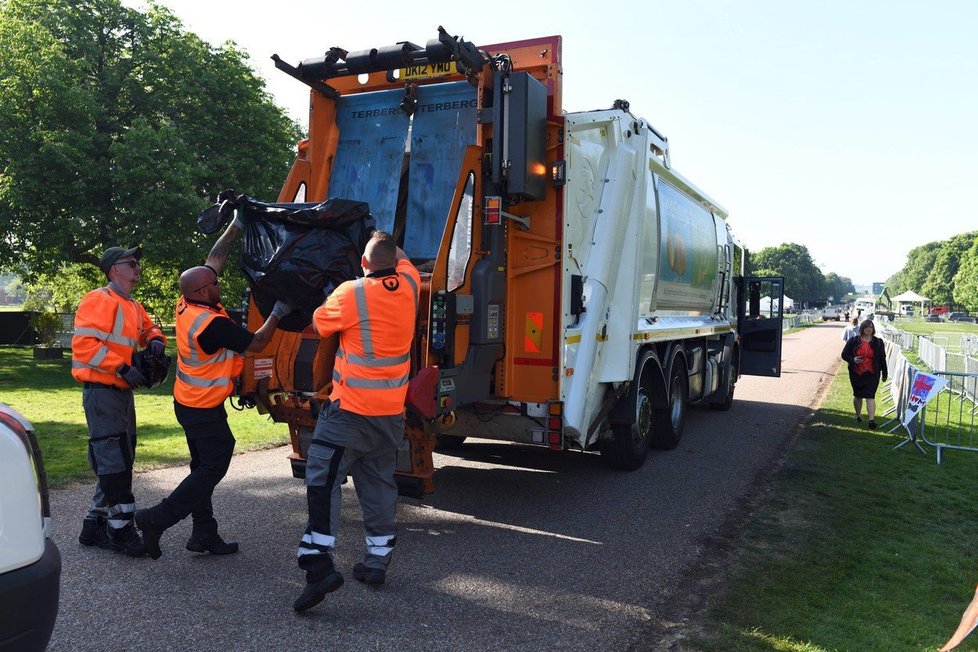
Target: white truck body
{"x": 628, "y": 214}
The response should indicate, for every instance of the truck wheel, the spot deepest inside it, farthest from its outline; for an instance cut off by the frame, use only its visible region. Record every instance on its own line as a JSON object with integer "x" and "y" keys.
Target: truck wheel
{"x": 726, "y": 402}
{"x": 629, "y": 444}
{"x": 668, "y": 422}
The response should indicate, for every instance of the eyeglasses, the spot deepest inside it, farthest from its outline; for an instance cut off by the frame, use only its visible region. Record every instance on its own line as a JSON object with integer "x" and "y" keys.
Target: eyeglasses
{"x": 206, "y": 285}
{"x": 132, "y": 263}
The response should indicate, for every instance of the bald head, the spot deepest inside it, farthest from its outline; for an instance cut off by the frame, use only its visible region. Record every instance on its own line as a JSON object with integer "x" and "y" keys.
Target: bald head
{"x": 380, "y": 252}
{"x": 195, "y": 277}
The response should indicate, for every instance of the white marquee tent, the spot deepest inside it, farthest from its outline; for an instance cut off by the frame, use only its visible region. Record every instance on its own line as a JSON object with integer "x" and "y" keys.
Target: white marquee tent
{"x": 766, "y": 303}
{"x": 910, "y": 297}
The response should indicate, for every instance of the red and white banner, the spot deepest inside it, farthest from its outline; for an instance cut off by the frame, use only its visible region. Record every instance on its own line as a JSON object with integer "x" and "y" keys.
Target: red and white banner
{"x": 923, "y": 388}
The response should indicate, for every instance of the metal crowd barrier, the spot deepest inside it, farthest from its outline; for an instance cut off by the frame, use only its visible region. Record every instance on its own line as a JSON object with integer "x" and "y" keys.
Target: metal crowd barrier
{"x": 950, "y": 420}
{"x": 932, "y": 355}
{"x": 969, "y": 344}
{"x": 67, "y": 329}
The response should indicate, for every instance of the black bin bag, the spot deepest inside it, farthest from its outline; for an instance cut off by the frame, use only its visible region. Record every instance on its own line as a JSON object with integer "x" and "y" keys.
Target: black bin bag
{"x": 297, "y": 253}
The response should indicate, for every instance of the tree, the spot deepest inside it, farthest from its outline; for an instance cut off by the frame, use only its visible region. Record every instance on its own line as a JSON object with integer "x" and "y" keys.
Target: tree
{"x": 803, "y": 281}
{"x": 966, "y": 280}
{"x": 940, "y": 283}
{"x": 62, "y": 291}
{"x": 838, "y": 286}
{"x": 920, "y": 261}
{"x": 895, "y": 284}
{"x": 117, "y": 126}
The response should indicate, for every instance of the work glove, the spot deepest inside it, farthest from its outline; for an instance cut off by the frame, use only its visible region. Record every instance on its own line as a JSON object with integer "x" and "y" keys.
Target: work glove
{"x": 281, "y": 309}
{"x": 157, "y": 348}
{"x": 227, "y": 202}
{"x": 239, "y": 219}
{"x": 134, "y": 377}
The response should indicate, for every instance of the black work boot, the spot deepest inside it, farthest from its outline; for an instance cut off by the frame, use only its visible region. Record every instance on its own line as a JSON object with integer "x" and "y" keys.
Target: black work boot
{"x": 212, "y": 543}
{"x": 127, "y": 540}
{"x": 367, "y": 575}
{"x": 323, "y": 580}
{"x": 94, "y": 533}
{"x": 152, "y": 531}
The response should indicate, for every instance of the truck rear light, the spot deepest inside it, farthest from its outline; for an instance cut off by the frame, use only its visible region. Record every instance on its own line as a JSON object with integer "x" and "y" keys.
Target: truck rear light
{"x": 493, "y": 210}
{"x": 555, "y": 427}
{"x": 558, "y": 173}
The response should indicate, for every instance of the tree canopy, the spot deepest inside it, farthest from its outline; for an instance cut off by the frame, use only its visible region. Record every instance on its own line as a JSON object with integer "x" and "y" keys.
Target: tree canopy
{"x": 966, "y": 280}
{"x": 117, "y": 126}
{"x": 946, "y": 272}
{"x": 803, "y": 280}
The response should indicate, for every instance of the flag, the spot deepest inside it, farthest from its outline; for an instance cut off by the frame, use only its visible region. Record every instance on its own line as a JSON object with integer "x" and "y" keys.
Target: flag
{"x": 968, "y": 622}
{"x": 923, "y": 388}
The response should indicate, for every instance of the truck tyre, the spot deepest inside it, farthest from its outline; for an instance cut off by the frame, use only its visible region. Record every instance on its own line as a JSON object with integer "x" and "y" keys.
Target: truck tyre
{"x": 668, "y": 422}
{"x": 629, "y": 444}
{"x": 726, "y": 400}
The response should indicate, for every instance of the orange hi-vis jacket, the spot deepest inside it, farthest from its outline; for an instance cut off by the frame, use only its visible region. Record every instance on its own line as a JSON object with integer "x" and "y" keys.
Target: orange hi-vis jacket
{"x": 203, "y": 380}
{"x": 375, "y": 317}
{"x": 108, "y": 329}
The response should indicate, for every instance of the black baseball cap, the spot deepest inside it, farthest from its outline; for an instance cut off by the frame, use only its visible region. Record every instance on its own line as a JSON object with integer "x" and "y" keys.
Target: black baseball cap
{"x": 112, "y": 254}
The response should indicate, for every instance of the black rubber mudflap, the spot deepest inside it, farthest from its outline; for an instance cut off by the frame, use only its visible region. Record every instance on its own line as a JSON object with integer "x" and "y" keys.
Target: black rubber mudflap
{"x": 409, "y": 487}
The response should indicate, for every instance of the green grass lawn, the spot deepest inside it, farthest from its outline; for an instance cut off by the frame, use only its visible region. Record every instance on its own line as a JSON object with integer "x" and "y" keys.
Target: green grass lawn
{"x": 944, "y": 334}
{"x": 859, "y": 547}
{"x": 46, "y": 394}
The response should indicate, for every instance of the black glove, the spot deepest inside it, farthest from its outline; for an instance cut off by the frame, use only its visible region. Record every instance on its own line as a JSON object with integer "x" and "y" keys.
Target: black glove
{"x": 134, "y": 377}
{"x": 157, "y": 348}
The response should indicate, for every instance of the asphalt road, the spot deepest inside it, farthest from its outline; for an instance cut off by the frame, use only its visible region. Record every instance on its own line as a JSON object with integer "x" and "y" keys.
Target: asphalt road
{"x": 519, "y": 549}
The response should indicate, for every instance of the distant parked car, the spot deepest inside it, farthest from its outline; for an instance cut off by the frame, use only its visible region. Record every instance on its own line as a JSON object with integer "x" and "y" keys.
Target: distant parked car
{"x": 939, "y": 310}
{"x": 831, "y": 312}
{"x": 959, "y": 316}
{"x": 934, "y": 317}
{"x": 30, "y": 565}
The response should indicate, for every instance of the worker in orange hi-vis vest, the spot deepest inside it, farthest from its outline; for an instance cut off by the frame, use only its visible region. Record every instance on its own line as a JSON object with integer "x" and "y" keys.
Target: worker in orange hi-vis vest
{"x": 361, "y": 428}
{"x": 968, "y": 623}
{"x": 209, "y": 357}
{"x": 109, "y": 326}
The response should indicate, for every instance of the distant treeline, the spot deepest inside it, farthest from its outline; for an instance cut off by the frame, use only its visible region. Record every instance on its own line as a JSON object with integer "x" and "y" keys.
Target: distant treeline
{"x": 946, "y": 272}
{"x": 803, "y": 280}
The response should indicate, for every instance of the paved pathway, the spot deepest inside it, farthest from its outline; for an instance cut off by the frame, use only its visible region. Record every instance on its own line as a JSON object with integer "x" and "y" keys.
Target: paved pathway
{"x": 520, "y": 548}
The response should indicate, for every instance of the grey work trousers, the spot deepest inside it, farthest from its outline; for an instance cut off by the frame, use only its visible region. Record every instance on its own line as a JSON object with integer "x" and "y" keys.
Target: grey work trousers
{"x": 366, "y": 448}
{"x": 111, "y": 416}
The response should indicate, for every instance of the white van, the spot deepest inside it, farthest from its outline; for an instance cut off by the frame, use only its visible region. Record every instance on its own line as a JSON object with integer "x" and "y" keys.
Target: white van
{"x": 864, "y": 304}
{"x": 30, "y": 565}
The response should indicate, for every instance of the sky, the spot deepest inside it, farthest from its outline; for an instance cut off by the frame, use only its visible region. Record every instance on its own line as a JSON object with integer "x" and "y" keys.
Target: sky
{"x": 847, "y": 127}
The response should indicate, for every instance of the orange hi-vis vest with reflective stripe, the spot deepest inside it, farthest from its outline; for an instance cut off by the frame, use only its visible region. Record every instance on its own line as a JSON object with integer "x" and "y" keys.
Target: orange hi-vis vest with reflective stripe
{"x": 375, "y": 317}
{"x": 203, "y": 380}
{"x": 108, "y": 329}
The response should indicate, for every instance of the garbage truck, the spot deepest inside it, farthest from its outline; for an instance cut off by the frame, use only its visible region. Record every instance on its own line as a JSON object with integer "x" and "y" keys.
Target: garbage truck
{"x": 577, "y": 292}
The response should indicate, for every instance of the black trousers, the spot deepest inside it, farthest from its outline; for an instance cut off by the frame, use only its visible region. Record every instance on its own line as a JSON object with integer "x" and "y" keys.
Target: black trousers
{"x": 211, "y": 445}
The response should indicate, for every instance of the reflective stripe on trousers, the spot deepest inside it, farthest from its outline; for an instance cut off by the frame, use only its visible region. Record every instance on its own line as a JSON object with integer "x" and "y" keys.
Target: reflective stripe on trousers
{"x": 381, "y": 546}
{"x": 316, "y": 543}
{"x": 119, "y": 516}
